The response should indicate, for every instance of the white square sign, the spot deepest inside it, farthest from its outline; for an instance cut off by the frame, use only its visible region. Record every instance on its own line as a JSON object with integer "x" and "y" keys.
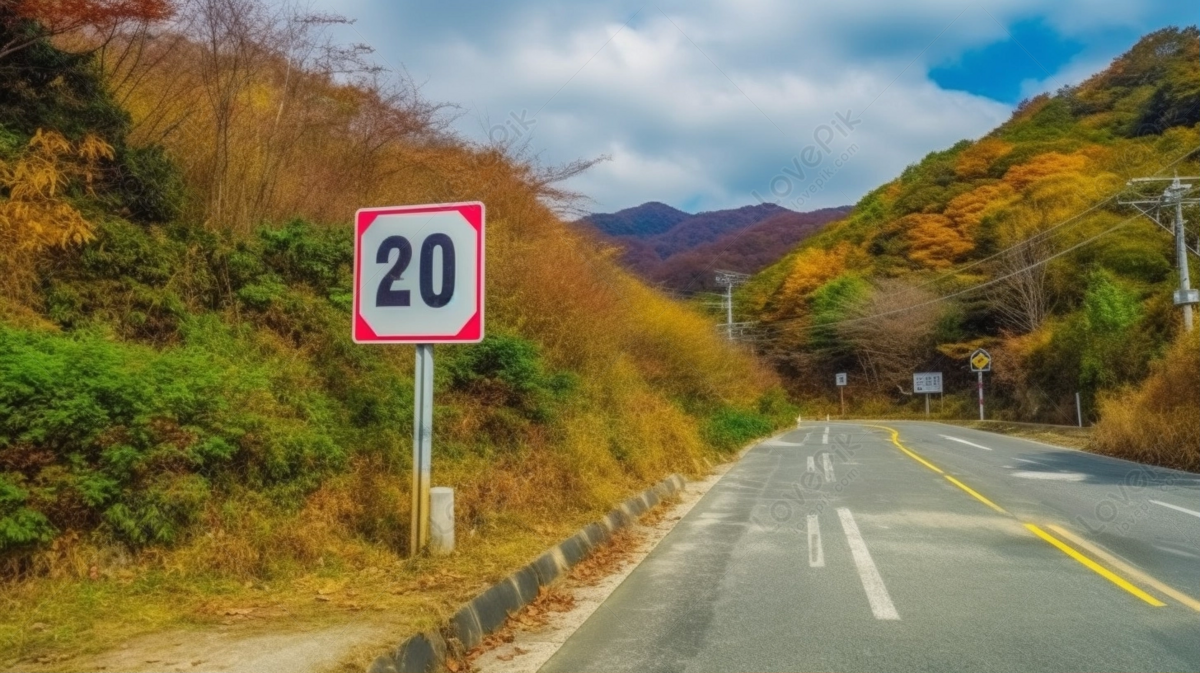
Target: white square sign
{"x": 841, "y": 379}
{"x": 418, "y": 274}
{"x": 927, "y": 382}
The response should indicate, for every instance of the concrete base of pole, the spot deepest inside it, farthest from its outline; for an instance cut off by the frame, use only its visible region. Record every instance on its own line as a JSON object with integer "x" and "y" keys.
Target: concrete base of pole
{"x": 441, "y": 524}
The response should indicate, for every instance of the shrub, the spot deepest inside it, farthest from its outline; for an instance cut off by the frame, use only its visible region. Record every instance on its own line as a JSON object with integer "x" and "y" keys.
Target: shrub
{"x": 94, "y": 433}
{"x": 730, "y": 428}
{"x": 1156, "y": 422}
{"x": 508, "y": 370}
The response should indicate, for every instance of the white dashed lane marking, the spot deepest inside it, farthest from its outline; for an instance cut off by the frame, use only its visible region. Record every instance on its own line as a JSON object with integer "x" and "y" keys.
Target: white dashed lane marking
{"x": 963, "y": 441}
{"x": 816, "y": 555}
{"x": 1176, "y": 507}
{"x": 877, "y": 594}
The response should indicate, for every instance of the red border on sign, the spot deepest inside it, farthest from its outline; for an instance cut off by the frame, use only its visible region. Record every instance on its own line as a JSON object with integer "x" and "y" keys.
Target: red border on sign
{"x": 472, "y": 331}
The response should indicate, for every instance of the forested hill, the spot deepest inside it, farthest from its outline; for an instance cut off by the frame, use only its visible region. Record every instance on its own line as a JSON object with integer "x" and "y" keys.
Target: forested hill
{"x": 1015, "y": 241}
{"x": 680, "y": 251}
{"x": 178, "y": 385}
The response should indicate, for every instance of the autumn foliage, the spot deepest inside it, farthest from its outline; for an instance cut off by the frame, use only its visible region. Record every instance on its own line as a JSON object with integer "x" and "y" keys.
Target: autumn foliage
{"x": 174, "y": 328}
{"x": 1016, "y": 242}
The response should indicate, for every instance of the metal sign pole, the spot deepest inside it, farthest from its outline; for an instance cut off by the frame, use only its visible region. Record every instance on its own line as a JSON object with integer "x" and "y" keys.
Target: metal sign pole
{"x": 980, "y": 395}
{"x": 926, "y": 405}
{"x": 422, "y": 448}
{"x": 842, "y": 394}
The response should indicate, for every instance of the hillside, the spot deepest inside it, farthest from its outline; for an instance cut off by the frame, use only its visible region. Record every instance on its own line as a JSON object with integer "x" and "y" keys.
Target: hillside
{"x": 644, "y": 221}
{"x": 185, "y": 424}
{"x": 1015, "y": 242}
{"x": 680, "y": 251}
{"x": 746, "y": 250}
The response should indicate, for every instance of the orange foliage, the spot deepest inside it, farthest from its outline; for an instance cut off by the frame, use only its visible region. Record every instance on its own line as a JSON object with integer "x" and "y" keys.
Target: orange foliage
{"x": 934, "y": 241}
{"x": 975, "y": 161}
{"x": 1044, "y": 165}
{"x": 968, "y": 210}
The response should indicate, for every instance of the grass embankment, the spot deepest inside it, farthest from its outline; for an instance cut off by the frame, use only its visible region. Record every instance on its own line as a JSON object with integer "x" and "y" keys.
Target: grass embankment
{"x": 187, "y": 430}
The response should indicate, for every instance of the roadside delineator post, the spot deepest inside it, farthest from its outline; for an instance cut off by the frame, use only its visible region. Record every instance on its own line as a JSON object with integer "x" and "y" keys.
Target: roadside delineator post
{"x": 441, "y": 519}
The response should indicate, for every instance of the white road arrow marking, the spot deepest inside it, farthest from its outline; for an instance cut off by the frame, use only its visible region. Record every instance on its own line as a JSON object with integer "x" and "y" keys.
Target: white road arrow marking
{"x": 877, "y": 594}
{"x": 812, "y": 466}
{"x": 963, "y": 441}
{"x": 828, "y": 465}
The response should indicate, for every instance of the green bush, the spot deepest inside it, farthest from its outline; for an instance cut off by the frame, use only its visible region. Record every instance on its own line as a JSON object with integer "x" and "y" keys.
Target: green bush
{"x": 730, "y": 428}
{"x": 508, "y": 370}
{"x": 148, "y": 184}
{"x": 130, "y": 440}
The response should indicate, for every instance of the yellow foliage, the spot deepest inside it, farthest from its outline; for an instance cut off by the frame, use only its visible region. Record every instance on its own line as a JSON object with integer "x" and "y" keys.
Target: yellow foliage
{"x": 934, "y": 241}
{"x": 1156, "y": 422}
{"x": 811, "y": 269}
{"x": 34, "y": 213}
{"x": 975, "y": 161}
{"x": 968, "y": 210}
{"x": 1044, "y": 165}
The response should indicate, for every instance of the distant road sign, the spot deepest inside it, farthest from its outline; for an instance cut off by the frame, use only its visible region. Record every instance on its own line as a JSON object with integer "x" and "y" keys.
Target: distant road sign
{"x": 418, "y": 274}
{"x": 927, "y": 382}
{"x": 841, "y": 379}
{"x": 981, "y": 361}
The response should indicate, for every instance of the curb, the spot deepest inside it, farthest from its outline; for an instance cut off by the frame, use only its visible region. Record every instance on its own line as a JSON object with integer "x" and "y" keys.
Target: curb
{"x": 484, "y": 614}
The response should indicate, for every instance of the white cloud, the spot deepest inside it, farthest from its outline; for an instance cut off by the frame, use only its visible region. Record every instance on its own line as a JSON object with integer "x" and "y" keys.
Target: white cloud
{"x": 707, "y": 101}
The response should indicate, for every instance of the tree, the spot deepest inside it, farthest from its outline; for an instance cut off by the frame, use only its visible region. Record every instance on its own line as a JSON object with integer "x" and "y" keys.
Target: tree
{"x": 1022, "y": 298}
{"x": 59, "y": 17}
{"x": 891, "y": 331}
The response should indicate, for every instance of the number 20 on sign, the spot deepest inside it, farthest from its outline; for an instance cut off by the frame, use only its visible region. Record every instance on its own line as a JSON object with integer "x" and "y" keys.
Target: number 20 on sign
{"x": 418, "y": 274}
{"x": 418, "y": 278}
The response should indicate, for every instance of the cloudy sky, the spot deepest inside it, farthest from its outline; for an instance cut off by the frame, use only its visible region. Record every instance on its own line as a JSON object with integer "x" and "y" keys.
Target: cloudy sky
{"x": 704, "y": 104}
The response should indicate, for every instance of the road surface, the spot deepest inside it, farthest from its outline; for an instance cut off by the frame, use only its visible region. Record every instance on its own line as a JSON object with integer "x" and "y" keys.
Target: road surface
{"x": 850, "y": 547}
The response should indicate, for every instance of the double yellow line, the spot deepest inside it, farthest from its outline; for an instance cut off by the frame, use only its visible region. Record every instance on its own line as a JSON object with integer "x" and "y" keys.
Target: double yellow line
{"x": 1062, "y": 546}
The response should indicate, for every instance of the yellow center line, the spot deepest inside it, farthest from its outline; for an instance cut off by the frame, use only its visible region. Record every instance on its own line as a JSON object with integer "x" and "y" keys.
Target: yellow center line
{"x": 1129, "y": 570}
{"x": 1062, "y": 546}
{"x": 978, "y": 497}
{"x": 896, "y": 441}
{"x": 1095, "y": 567}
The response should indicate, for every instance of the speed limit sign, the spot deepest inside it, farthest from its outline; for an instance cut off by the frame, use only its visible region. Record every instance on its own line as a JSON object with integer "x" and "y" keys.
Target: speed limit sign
{"x": 418, "y": 274}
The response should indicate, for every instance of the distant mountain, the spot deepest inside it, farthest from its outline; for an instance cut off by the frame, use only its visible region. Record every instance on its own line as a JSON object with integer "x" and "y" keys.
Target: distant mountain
{"x": 668, "y": 246}
{"x": 747, "y": 250}
{"x": 648, "y": 219}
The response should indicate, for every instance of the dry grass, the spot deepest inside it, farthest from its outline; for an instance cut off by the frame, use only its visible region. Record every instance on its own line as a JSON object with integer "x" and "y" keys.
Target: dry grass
{"x": 1159, "y": 421}
{"x": 648, "y": 369}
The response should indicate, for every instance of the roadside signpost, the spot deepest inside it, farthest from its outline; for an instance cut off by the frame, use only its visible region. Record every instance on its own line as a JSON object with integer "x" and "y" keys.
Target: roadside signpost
{"x": 981, "y": 361}
{"x": 419, "y": 279}
{"x": 927, "y": 383}
{"x": 841, "y": 384}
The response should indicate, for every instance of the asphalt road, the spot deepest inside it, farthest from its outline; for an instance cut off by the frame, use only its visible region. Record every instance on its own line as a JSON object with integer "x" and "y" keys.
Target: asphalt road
{"x": 843, "y": 547}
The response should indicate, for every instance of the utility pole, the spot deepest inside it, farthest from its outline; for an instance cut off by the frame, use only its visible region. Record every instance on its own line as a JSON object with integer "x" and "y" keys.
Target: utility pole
{"x": 1172, "y": 201}
{"x": 730, "y": 279}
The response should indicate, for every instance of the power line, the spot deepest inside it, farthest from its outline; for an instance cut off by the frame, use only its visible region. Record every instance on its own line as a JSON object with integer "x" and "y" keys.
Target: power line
{"x": 778, "y": 325}
{"x": 968, "y": 290}
{"x": 1037, "y": 237}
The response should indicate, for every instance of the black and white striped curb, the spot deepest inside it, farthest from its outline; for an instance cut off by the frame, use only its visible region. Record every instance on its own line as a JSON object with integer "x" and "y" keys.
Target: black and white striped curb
{"x": 484, "y": 614}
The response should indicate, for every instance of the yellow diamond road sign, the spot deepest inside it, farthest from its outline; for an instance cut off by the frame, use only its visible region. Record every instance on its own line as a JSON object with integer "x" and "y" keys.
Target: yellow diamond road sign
{"x": 981, "y": 361}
